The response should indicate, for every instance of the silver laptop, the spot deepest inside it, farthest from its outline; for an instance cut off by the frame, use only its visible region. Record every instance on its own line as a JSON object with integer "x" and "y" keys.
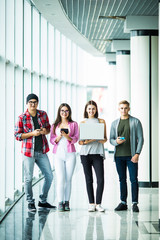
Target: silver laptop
{"x": 91, "y": 131}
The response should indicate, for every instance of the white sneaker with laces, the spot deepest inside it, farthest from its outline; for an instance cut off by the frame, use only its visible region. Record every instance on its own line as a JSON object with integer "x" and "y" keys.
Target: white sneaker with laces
{"x": 99, "y": 208}
{"x": 91, "y": 208}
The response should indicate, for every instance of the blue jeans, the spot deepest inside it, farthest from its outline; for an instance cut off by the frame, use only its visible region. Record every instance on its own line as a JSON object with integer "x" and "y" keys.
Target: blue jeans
{"x": 43, "y": 163}
{"x": 121, "y": 164}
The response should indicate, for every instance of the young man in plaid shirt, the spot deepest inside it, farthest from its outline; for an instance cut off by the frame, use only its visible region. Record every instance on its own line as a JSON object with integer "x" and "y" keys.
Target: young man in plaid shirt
{"x": 31, "y": 128}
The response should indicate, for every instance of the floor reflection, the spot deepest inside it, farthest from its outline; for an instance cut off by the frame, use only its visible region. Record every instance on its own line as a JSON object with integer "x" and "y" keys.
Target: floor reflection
{"x": 94, "y": 227}
{"x": 79, "y": 224}
{"x": 42, "y": 217}
{"x": 127, "y": 227}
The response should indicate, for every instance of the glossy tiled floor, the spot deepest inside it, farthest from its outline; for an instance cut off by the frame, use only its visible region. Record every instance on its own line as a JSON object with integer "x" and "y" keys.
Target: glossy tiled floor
{"x": 79, "y": 224}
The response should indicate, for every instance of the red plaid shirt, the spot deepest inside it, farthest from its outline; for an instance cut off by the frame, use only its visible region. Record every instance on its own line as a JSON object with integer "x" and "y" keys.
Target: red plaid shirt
{"x": 25, "y": 125}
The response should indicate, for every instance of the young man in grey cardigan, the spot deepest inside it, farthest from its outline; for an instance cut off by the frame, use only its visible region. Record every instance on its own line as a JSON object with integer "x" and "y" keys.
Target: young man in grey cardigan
{"x": 126, "y": 135}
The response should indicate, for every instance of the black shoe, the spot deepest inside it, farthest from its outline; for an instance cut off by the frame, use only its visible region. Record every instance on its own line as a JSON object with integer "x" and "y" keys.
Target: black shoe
{"x": 66, "y": 206}
{"x": 121, "y": 207}
{"x": 135, "y": 208}
{"x": 46, "y": 205}
{"x": 31, "y": 207}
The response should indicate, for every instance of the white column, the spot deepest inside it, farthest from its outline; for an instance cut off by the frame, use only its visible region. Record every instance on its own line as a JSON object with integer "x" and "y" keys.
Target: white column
{"x": 123, "y": 75}
{"x": 112, "y": 105}
{"x": 144, "y": 100}
{"x": 122, "y": 49}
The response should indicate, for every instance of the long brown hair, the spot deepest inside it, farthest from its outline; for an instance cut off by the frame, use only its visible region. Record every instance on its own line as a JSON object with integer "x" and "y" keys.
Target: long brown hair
{"x": 91, "y": 102}
{"x": 58, "y": 119}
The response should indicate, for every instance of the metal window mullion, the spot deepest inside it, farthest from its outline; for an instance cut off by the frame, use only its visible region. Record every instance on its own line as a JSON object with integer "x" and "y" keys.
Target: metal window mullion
{"x": 39, "y": 60}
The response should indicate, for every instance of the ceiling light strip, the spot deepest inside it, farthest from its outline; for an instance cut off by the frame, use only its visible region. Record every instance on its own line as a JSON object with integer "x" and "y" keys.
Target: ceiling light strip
{"x": 82, "y": 15}
{"x": 95, "y": 18}
{"x": 89, "y": 11}
{"x": 103, "y": 32}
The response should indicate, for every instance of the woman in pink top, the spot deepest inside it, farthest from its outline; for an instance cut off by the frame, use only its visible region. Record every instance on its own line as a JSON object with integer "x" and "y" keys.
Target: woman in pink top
{"x": 64, "y": 133}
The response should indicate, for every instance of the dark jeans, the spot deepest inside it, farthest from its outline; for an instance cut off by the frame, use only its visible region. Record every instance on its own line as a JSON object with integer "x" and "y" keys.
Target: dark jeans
{"x": 95, "y": 161}
{"x": 121, "y": 164}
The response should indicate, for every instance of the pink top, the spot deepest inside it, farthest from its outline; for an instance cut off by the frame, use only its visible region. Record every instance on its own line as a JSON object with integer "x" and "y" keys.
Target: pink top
{"x": 74, "y": 134}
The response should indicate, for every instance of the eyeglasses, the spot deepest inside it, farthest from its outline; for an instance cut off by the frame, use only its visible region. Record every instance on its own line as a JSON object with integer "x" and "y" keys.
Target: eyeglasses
{"x": 31, "y": 102}
{"x": 62, "y": 111}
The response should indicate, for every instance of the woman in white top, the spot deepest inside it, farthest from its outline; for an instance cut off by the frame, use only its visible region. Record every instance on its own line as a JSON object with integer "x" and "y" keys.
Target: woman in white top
{"x": 92, "y": 155}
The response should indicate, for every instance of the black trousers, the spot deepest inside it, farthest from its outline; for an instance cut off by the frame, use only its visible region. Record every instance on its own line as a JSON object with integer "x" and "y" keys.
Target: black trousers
{"x": 95, "y": 161}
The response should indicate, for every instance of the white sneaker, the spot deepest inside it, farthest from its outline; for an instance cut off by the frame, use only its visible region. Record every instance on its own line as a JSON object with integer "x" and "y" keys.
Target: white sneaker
{"x": 91, "y": 208}
{"x": 99, "y": 208}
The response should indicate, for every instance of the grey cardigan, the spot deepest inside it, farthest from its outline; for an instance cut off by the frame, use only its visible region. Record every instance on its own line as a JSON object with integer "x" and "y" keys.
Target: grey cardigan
{"x": 136, "y": 135}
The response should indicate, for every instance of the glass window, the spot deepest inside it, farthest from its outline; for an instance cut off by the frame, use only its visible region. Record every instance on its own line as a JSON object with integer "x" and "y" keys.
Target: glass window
{"x": 51, "y": 112}
{"x": 51, "y": 100}
{"x": 43, "y": 94}
{"x": 80, "y": 66}
{"x": 81, "y": 102}
{"x": 69, "y": 60}
{"x": 57, "y": 96}
{"x": 19, "y": 32}
{"x": 63, "y": 57}
{"x": 43, "y": 46}
{"x": 18, "y": 110}
{"x": 57, "y": 54}
{"x": 35, "y": 84}
{"x": 2, "y": 27}
{"x": 74, "y": 102}
{"x": 3, "y": 134}
{"x": 9, "y": 129}
{"x": 69, "y": 93}
{"x": 27, "y": 86}
{"x": 74, "y": 63}
{"x": 63, "y": 92}
{"x": 35, "y": 40}
{"x": 10, "y": 30}
{"x": 51, "y": 51}
{"x": 27, "y": 35}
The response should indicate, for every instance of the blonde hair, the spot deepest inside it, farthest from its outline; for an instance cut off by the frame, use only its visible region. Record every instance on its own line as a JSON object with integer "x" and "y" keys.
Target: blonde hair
{"x": 124, "y": 102}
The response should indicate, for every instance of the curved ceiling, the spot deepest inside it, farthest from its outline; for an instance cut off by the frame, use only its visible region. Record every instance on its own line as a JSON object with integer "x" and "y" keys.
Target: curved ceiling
{"x": 91, "y": 29}
{"x": 89, "y": 18}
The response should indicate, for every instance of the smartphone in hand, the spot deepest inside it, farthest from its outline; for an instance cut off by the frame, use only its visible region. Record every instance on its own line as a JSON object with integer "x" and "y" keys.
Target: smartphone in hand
{"x": 64, "y": 130}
